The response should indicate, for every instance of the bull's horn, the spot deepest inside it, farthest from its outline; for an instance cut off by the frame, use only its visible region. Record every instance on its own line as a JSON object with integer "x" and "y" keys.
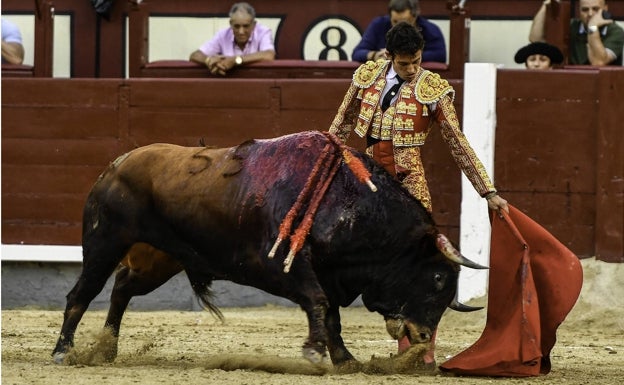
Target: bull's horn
{"x": 458, "y": 306}
{"x": 447, "y": 248}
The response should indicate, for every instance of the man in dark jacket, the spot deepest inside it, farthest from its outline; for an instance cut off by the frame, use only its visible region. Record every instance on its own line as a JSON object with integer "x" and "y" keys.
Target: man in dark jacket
{"x": 373, "y": 43}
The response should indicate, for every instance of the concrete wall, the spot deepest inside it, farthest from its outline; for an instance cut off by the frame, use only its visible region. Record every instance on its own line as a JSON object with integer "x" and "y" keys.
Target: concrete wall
{"x": 44, "y": 285}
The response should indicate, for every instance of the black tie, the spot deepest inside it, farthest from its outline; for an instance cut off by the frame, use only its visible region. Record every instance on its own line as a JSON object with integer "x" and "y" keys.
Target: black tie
{"x": 385, "y": 103}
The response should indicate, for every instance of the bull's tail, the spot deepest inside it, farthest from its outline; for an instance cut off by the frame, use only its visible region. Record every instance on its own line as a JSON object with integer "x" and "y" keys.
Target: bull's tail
{"x": 205, "y": 296}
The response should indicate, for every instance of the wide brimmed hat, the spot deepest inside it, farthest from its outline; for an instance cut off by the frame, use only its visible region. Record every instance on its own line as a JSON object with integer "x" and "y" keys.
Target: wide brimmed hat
{"x": 539, "y": 48}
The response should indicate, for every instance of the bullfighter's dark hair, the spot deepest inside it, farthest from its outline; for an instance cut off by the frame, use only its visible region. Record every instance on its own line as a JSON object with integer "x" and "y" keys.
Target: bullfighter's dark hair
{"x": 246, "y": 7}
{"x": 404, "y": 39}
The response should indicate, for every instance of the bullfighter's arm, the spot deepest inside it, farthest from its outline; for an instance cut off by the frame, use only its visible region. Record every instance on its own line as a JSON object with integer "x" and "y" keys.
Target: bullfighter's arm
{"x": 347, "y": 114}
{"x": 461, "y": 150}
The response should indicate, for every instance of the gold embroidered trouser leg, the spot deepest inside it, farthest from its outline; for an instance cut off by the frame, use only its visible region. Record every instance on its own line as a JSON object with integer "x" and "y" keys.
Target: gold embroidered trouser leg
{"x": 406, "y": 165}
{"x": 408, "y": 159}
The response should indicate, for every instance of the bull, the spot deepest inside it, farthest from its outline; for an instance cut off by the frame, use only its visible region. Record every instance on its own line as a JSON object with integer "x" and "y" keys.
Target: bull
{"x": 217, "y": 213}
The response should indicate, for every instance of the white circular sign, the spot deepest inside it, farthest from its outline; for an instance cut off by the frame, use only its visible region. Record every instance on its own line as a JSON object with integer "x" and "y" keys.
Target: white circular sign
{"x": 330, "y": 39}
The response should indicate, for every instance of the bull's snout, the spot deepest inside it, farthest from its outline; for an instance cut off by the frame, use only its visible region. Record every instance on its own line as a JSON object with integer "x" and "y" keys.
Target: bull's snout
{"x": 399, "y": 328}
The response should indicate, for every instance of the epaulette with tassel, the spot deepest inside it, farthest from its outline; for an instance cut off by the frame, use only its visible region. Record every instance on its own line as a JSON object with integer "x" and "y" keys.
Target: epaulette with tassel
{"x": 367, "y": 73}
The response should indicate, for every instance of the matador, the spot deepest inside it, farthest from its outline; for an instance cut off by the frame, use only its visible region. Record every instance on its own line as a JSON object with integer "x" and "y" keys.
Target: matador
{"x": 395, "y": 136}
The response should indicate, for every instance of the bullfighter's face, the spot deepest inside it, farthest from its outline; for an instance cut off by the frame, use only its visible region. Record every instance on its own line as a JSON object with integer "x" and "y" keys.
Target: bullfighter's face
{"x": 406, "y": 65}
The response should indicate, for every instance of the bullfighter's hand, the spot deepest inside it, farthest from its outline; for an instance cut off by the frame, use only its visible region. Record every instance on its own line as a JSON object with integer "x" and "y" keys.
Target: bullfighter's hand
{"x": 497, "y": 203}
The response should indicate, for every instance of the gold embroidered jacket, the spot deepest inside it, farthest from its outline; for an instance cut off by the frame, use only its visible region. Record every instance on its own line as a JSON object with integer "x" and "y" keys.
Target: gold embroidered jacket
{"x": 407, "y": 122}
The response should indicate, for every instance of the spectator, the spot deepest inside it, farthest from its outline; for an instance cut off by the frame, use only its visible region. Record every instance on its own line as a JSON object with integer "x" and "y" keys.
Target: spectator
{"x": 12, "y": 48}
{"x": 539, "y": 56}
{"x": 244, "y": 42}
{"x": 373, "y": 43}
{"x": 394, "y": 103}
{"x": 595, "y": 38}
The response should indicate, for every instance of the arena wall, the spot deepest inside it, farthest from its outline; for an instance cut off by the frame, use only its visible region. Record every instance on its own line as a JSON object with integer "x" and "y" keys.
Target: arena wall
{"x": 557, "y": 154}
{"x": 557, "y": 151}
{"x": 58, "y": 135}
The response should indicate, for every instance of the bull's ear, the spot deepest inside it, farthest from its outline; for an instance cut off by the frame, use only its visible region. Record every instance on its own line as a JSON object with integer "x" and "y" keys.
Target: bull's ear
{"x": 458, "y": 306}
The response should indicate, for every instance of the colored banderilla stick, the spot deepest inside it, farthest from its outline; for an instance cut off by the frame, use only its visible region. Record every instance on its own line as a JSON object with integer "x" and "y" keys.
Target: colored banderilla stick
{"x": 328, "y": 161}
{"x": 354, "y": 163}
{"x": 298, "y": 238}
{"x": 303, "y": 196}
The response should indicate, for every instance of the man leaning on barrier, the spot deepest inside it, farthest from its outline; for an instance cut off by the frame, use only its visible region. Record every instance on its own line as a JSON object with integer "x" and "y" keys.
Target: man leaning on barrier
{"x": 244, "y": 41}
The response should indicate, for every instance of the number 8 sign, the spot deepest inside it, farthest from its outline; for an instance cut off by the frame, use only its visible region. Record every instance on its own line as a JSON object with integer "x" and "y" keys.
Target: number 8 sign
{"x": 331, "y": 38}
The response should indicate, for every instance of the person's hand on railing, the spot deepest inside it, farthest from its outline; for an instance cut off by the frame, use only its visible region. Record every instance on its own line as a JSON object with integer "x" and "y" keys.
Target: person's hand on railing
{"x": 221, "y": 64}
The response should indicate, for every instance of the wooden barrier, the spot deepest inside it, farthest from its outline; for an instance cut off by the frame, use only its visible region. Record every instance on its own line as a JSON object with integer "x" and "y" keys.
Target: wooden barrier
{"x": 17, "y": 70}
{"x": 274, "y": 69}
{"x": 556, "y": 158}
{"x": 59, "y": 134}
{"x": 557, "y": 26}
{"x": 558, "y": 144}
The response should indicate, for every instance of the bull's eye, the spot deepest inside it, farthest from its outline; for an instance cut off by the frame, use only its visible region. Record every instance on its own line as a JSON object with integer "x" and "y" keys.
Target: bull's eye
{"x": 438, "y": 279}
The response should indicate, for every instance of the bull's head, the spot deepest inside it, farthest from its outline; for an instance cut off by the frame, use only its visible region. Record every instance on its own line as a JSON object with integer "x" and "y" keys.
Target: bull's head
{"x": 413, "y": 295}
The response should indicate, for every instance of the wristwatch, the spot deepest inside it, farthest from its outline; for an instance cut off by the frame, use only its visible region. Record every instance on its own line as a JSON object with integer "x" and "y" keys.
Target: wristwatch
{"x": 238, "y": 60}
{"x": 592, "y": 29}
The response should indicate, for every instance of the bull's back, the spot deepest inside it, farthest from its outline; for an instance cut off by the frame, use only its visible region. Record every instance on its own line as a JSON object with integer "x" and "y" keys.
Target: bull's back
{"x": 202, "y": 183}
{"x": 172, "y": 173}
{"x": 255, "y": 165}
{"x": 229, "y": 202}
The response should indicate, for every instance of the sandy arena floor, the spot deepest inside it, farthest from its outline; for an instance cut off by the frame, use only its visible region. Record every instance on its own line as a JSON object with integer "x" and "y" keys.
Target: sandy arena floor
{"x": 263, "y": 345}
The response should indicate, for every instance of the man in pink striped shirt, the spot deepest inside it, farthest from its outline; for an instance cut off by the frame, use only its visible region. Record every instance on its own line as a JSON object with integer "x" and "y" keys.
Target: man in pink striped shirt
{"x": 244, "y": 42}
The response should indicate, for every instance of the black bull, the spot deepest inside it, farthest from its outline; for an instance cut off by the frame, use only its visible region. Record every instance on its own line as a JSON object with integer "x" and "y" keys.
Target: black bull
{"x": 216, "y": 214}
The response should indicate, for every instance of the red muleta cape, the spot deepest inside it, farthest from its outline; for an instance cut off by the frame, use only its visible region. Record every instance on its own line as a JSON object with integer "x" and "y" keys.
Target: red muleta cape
{"x": 534, "y": 282}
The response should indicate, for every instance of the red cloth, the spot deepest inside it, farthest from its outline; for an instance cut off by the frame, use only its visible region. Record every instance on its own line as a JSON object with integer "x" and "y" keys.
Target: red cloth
{"x": 534, "y": 283}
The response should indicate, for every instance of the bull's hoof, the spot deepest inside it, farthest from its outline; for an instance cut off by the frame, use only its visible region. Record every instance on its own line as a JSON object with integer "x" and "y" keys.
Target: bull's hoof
{"x": 59, "y": 358}
{"x": 349, "y": 367}
{"x": 314, "y": 356}
{"x": 110, "y": 353}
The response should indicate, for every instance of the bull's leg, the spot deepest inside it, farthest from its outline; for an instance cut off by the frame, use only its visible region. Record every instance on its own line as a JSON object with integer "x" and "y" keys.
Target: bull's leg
{"x": 337, "y": 349}
{"x": 310, "y": 296}
{"x": 314, "y": 347}
{"x": 145, "y": 269}
{"x": 98, "y": 264}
